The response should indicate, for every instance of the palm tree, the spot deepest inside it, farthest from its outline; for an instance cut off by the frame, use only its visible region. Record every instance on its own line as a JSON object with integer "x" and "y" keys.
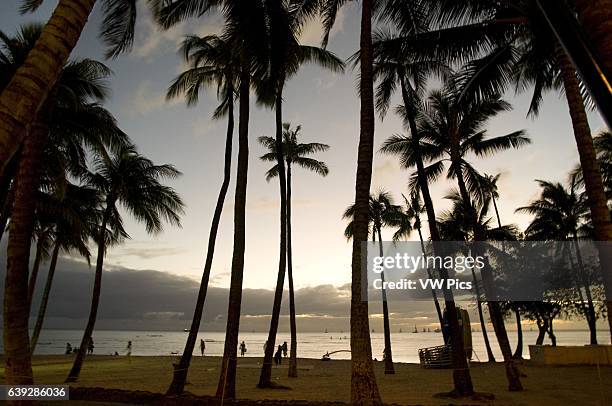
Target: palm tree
{"x": 382, "y": 212}
{"x": 453, "y": 122}
{"x": 25, "y": 94}
{"x": 211, "y": 62}
{"x": 134, "y": 182}
{"x": 74, "y": 222}
{"x": 411, "y": 149}
{"x": 246, "y": 30}
{"x": 559, "y": 213}
{"x": 518, "y": 46}
{"x": 81, "y": 85}
{"x": 296, "y": 153}
{"x": 285, "y": 23}
{"x": 491, "y": 190}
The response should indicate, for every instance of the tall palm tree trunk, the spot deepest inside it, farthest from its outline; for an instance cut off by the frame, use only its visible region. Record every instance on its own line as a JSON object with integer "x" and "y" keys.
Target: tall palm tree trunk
{"x": 17, "y": 358}
{"x": 28, "y": 89}
{"x": 292, "y": 373}
{"x": 462, "y": 379}
{"x": 596, "y": 17}
{"x": 35, "y": 268}
{"x": 226, "y": 389}
{"x": 73, "y": 375}
{"x": 497, "y": 318}
{"x": 265, "y": 378}
{"x": 45, "y": 298}
{"x": 181, "y": 369}
{"x": 483, "y": 323}
{"x": 388, "y": 353}
{"x": 364, "y": 390}
{"x": 518, "y": 352}
{"x": 591, "y": 171}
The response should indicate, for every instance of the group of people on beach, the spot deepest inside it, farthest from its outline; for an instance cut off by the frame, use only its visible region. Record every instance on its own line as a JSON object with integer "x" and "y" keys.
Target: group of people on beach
{"x": 90, "y": 348}
{"x": 281, "y": 352}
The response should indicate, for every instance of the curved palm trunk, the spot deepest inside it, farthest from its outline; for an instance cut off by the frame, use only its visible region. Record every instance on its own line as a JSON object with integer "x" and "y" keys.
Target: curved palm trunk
{"x": 226, "y": 389}
{"x": 17, "y": 359}
{"x": 28, "y": 89}
{"x": 181, "y": 369}
{"x": 518, "y": 352}
{"x": 35, "y": 268}
{"x": 591, "y": 171}
{"x": 462, "y": 379}
{"x": 483, "y": 323}
{"x": 388, "y": 353}
{"x": 364, "y": 390}
{"x": 73, "y": 375}
{"x": 45, "y": 298}
{"x": 266, "y": 368}
{"x": 495, "y": 312}
{"x": 292, "y": 373}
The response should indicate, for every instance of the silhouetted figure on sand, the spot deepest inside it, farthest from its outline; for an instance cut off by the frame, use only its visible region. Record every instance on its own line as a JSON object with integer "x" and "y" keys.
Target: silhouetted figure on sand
{"x": 278, "y": 356}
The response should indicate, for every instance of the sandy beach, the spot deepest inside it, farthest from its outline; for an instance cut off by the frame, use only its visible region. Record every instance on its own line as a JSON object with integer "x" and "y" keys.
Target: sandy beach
{"x": 318, "y": 380}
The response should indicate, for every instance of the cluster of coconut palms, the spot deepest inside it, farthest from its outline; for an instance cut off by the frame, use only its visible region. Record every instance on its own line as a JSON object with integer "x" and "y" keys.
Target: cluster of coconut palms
{"x": 476, "y": 49}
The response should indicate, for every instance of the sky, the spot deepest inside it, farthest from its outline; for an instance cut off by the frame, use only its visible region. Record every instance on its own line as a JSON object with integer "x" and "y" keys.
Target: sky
{"x": 327, "y": 107}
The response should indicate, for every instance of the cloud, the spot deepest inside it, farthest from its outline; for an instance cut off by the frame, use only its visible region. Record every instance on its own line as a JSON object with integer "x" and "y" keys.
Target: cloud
{"x": 147, "y": 99}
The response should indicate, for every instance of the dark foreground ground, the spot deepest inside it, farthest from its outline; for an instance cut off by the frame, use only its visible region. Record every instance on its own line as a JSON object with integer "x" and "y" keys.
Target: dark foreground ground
{"x": 323, "y": 381}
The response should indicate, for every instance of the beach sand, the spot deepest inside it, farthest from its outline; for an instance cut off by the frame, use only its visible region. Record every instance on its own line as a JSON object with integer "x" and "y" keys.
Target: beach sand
{"x": 318, "y": 380}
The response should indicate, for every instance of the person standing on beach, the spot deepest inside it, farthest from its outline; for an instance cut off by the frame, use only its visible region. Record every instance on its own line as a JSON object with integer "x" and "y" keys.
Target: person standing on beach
{"x": 90, "y": 346}
{"x": 278, "y": 357}
{"x": 243, "y": 349}
{"x": 68, "y": 349}
{"x": 285, "y": 349}
{"x": 128, "y": 351}
{"x": 202, "y": 346}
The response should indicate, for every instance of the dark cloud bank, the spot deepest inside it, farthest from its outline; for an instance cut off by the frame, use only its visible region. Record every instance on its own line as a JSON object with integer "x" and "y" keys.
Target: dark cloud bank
{"x": 154, "y": 300}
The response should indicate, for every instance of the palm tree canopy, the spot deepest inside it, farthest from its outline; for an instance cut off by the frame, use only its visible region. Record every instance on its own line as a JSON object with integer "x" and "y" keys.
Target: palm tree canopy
{"x": 134, "y": 182}
{"x": 294, "y": 152}
{"x": 558, "y": 213}
{"x": 382, "y": 212}
{"x": 211, "y": 61}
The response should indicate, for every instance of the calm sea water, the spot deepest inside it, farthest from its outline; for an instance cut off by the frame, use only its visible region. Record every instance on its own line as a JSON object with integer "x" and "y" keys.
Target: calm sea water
{"x": 310, "y": 345}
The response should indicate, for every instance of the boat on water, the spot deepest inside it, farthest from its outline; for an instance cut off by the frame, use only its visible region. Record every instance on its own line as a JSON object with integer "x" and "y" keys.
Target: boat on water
{"x": 186, "y": 330}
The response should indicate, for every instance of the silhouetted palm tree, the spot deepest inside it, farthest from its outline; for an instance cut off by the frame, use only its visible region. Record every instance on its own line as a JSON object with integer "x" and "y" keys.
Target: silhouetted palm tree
{"x": 294, "y": 153}
{"x": 559, "y": 213}
{"x": 382, "y": 212}
{"x": 133, "y": 182}
{"x": 211, "y": 61}
{"x": 53, "y": 147}
{"x": 514, "y": 43}
{"x": 490, "y": 188}
{"x": 453, "y": 122}
{"x": 285, "y": 23}
{"x": 75, "y": 219}
{"x": 34, "y": 80}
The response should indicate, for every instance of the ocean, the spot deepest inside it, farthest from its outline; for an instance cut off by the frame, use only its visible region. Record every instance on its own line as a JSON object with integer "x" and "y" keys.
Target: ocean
{"x": 405, "y": 345}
